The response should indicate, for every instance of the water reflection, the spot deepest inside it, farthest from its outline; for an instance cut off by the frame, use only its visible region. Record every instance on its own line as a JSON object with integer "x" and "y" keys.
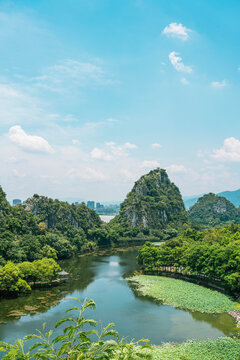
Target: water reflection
{"x": 101, "y": 277}
{"x": 222, "y": 322}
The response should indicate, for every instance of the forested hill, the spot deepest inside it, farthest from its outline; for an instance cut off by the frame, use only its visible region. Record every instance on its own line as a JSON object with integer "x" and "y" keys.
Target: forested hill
{"x": 44, "y": 227}
{"x": 233, "y": 196}
{"x": 60, "y": 215}
{"x": 153, "y": 204}
{"x": 212, "y": 210}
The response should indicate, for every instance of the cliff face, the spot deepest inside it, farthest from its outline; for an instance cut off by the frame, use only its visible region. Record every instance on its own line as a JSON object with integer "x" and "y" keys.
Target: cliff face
{"x": 212, "y": 210}
{"x": 153, "y": 203}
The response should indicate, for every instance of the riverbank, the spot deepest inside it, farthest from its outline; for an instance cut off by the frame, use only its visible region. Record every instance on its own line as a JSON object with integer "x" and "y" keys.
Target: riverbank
{"x": 183, "y": 294}
{"x": 236, "y": 315}
{"x": 220, "y": 349}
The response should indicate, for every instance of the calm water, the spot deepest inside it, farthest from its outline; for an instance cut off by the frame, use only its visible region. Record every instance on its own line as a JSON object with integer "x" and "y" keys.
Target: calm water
{"x": 102, "y": 279}
{"x": 107, "y": 218}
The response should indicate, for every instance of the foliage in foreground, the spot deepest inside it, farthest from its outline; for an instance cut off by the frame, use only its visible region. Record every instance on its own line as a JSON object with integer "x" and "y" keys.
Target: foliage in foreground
{"x": 183, "y": 294}
{"x": 76, "y": 342}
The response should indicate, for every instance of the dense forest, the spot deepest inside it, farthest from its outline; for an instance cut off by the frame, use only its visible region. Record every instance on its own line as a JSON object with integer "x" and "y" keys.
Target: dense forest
{"x": 214, "y": 253}
{"x": 34, "y": 235}
{"x": 44, "y": 227}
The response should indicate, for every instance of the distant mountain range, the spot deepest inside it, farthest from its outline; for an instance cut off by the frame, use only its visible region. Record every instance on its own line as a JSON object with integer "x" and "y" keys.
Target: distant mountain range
{"x": 233, "y": 196}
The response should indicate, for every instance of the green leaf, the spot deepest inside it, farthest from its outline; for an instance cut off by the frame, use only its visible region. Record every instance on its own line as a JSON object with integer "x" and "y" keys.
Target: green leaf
{"x": 73, "y": 308}
{"x": 63, "y": 320}
{"x": 59, "y": 338}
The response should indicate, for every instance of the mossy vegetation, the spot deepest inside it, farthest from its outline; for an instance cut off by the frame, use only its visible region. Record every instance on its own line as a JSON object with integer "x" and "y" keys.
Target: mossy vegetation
{"x": 183, "y": 294}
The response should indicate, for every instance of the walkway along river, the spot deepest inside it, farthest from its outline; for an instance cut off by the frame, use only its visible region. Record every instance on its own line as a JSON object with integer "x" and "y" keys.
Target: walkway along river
{"x": 101, "y": 277}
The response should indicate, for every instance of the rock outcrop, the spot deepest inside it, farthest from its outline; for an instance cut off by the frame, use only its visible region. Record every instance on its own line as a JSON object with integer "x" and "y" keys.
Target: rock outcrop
{"x": 153, "y": 203}
{"x": 213, "y": 210}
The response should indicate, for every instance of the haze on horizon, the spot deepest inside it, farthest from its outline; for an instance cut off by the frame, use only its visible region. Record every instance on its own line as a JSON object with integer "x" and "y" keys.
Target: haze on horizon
{"x": 94, "y": 94}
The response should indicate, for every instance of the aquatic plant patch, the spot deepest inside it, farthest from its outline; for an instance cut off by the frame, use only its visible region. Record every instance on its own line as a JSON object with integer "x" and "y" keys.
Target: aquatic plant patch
{"x": 220, "y": 349}
{"x": 183, "y": 294}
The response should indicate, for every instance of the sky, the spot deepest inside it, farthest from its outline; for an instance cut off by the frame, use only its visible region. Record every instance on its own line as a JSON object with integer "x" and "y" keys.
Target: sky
{"x": 96, "y": 93}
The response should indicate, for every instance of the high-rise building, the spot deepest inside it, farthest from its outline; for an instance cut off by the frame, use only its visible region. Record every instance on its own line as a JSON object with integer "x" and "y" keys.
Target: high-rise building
{"x": 99, "y": 206}
{"x": 16, "y": 202}
{"x": 91, "y": 205}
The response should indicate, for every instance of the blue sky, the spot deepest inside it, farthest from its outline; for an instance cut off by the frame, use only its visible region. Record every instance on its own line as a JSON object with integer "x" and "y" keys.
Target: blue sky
{"x": 93, "y": 94}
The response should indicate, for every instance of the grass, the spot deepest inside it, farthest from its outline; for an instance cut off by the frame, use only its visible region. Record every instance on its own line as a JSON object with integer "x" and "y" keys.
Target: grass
{"x": 221, "y": 349}
{"x": 183, "y": 294}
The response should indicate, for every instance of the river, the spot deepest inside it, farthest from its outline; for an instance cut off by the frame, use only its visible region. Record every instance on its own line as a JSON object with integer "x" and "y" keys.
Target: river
{"x": 101, "y": 277}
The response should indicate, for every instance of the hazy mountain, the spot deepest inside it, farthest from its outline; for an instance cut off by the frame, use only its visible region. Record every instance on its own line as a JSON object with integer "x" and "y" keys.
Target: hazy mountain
{"x": 233, "y": 196}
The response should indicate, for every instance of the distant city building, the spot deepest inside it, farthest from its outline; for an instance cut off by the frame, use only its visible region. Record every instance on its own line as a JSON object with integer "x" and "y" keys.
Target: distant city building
{"x": 91, "y": 205}
{"x": 16, "y": 202}
{"x": 76, "y": 203}
{"x": 99, "y": 206}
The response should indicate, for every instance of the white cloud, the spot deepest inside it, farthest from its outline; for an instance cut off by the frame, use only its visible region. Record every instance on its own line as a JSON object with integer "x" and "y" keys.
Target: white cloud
{"x": 16, "y": 105}
{"x": 177, "y": 63}
{"x": 156, "y": 145}
{"x": 112, "y": 120}
{"x": 218, "y": 84}
{"x": 112, "y": 151}
{"x": 75, "y": 141}
{"x": 129, "y": 145}
{"x": 177, "y": 31}
{"x": 174, "y": 168}
{"x": 230, "y": 151}
{"x": 69, "y": 73}
{"x": 69, "y": 118}
{"x": 149, "y": 164}
{"x": 184, "y": 81}
{"x": 7, "y": 91}
{"x": 28, "y": 142}
{"x": 129, "y": 175}
{"x": 97, "y": 153}
{"x": 86, "y": 173}
{"x": 18, "y": 173}
{"x": 96, "y": 124}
